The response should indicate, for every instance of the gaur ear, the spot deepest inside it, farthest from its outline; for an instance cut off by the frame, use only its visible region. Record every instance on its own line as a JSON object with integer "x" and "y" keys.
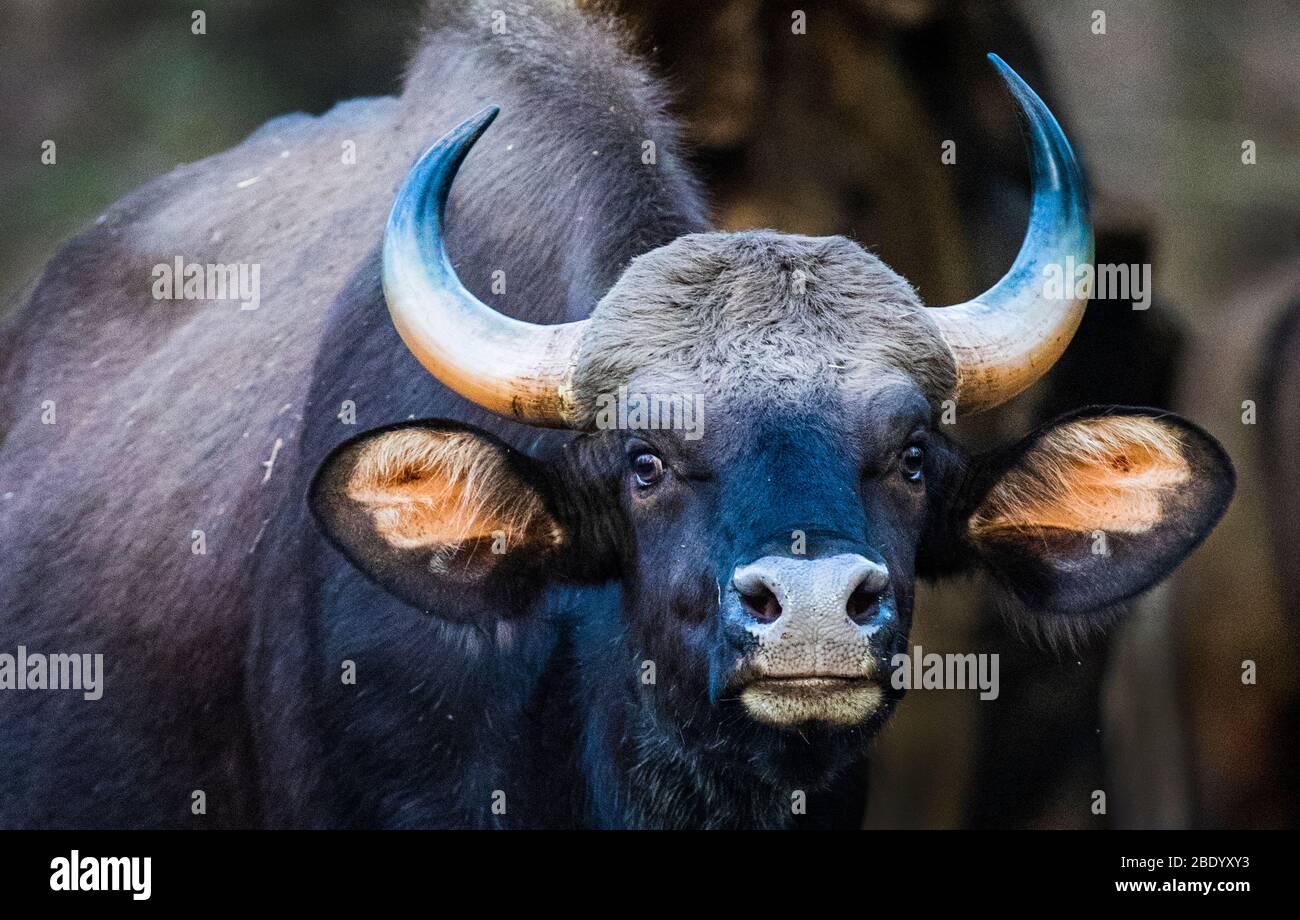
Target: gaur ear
{"x": 446, "y": 517}
{"x": 1095, "y": 507}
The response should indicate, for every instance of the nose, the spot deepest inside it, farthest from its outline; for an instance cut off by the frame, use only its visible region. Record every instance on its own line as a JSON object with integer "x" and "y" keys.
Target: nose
{"x": 831, "y": 588}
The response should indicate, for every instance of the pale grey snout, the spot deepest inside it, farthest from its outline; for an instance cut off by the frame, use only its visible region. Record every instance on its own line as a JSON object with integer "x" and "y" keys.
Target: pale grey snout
{"x": 820, "y": 593}
{"x": 806, "y": 628}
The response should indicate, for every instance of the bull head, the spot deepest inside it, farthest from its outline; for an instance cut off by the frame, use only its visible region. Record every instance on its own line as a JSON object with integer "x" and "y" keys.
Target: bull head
{"x": 771, "y": 564}
{"x": 1001, "y": 342}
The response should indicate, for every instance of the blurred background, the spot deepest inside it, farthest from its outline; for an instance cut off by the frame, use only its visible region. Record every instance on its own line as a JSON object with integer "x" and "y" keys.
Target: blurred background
{"x": 839, "y": 130}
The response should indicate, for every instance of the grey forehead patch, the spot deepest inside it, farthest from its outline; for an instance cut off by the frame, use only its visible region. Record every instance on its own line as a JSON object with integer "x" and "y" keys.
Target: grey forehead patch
{"x": 761, "y": 315}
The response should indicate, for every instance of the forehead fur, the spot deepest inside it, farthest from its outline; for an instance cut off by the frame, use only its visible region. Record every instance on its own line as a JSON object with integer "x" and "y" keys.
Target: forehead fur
{"x": 761, "y": 316}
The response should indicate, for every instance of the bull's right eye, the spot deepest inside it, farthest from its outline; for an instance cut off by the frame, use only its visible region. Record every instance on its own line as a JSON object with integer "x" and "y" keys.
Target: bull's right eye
{"x": 913, "y": 463}
{"x": 647, "y": 468}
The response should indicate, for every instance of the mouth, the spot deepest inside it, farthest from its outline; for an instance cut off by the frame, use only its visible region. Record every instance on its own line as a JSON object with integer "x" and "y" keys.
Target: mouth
{"x": 832, "y": 700}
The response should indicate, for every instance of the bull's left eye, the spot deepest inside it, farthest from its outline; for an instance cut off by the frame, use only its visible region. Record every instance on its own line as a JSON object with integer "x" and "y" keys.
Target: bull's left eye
{"x": 647, "y": 468}
{"x": 912, "y": 463}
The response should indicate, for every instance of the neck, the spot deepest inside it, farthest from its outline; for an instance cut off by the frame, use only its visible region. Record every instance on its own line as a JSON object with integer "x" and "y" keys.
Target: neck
{"x": 714, "y": 771}
{"x": 645, "y": 778}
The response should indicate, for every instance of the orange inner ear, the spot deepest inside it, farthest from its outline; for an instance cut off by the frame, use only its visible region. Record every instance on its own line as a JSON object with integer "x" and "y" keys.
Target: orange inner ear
{"x": 1110, "y": 473}
{"x": 440, "y": 489}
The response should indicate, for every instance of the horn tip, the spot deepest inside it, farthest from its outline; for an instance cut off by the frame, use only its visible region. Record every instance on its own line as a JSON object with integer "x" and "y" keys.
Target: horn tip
{"x": 472, "y": 128}
{"x": 1008, "y": 73}
{"x": 1000, "y": 64}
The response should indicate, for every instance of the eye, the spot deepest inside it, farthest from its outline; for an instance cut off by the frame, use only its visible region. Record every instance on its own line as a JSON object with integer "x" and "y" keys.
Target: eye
{"x": 647, "y": 468}
{"x": 912, "y": 462}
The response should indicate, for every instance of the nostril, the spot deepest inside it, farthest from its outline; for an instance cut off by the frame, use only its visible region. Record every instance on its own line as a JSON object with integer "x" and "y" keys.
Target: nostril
{"x": 761, "y": 603}
{"x": 864, "y": 602}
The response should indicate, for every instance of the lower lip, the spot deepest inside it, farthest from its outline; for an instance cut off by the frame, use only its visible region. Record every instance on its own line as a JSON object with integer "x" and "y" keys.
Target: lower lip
{"x": 804, "y": 684}
{"x": 789, "y": 701}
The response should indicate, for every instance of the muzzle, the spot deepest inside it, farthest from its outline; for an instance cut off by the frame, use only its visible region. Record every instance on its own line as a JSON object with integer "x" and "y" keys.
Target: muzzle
{"x": 808, "y": 629}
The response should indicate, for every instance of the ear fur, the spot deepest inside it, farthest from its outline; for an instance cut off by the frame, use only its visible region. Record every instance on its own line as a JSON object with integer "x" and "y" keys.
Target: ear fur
{"x": 447, "y": 517}
{"x": 1095, "y": 507}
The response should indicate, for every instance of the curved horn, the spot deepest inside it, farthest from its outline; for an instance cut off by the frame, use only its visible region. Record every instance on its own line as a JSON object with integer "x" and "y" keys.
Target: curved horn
{"x": 517, "y": 369}
{"x": 1010, "y": 335}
